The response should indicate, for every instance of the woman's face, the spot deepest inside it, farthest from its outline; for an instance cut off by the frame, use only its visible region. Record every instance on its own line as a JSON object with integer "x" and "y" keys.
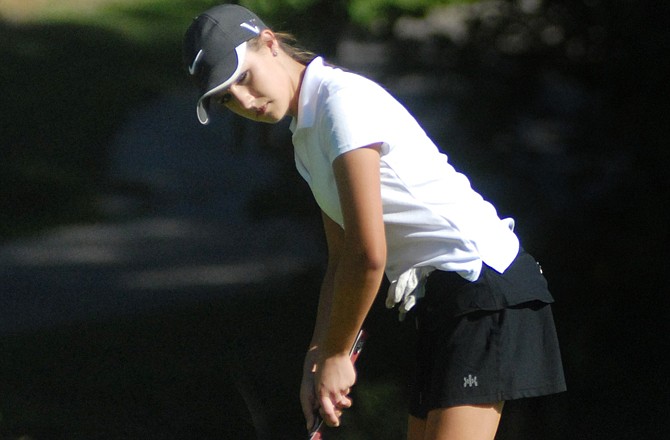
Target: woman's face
{"x": 263, "y": 91}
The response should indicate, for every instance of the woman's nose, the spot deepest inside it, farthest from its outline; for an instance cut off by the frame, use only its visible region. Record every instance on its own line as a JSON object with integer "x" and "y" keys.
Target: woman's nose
{"x": 240, "y": 94}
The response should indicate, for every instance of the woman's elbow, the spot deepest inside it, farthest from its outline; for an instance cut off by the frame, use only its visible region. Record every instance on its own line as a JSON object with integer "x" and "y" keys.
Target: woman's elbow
{"x": 374, "y": 258}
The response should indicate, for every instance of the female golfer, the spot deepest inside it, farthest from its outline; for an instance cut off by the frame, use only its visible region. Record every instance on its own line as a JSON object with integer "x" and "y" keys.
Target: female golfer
{"x": 391, "y": 203}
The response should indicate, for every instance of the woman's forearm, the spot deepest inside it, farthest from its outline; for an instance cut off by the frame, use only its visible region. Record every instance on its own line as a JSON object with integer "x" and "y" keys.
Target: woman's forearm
{"x": 355, "y": 284}
{"x": 324, "y": 308}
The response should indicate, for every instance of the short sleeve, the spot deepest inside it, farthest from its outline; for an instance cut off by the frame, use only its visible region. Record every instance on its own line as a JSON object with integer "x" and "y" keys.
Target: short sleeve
{"x": 352, "y": 118}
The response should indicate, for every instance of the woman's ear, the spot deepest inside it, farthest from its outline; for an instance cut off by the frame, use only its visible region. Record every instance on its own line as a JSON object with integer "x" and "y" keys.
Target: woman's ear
{"x": 269, "y": 40}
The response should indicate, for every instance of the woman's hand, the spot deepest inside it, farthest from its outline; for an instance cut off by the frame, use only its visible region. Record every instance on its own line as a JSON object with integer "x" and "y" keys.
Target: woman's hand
{"x": 333, "y": 379}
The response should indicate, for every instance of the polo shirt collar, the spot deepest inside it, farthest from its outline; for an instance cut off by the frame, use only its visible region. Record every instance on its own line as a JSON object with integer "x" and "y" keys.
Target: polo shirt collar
{"x": 308, "y": 92}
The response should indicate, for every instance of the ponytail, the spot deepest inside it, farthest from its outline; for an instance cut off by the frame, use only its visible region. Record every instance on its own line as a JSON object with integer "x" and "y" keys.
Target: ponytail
{"x": 288, "y": 43}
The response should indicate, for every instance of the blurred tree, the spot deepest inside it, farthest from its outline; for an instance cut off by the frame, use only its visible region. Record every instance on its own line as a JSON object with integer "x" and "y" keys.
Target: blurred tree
{"x": 322, "y": 23}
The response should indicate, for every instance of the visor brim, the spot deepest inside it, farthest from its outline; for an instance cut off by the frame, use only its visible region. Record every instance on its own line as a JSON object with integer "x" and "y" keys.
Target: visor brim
{"x": 202, "y": 108}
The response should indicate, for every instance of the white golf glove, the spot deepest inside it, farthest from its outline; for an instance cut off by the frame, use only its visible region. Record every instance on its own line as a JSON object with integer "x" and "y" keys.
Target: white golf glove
{"x": 407, "y": 289}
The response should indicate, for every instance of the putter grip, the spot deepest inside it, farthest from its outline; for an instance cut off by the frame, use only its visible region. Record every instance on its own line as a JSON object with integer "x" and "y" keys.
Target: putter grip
{"x": 315, "y": 433}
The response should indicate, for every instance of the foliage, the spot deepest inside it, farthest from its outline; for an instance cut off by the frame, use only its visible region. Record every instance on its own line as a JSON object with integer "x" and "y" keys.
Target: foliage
{"x": 361, "y": 12}
{"x": 367, "y": 12}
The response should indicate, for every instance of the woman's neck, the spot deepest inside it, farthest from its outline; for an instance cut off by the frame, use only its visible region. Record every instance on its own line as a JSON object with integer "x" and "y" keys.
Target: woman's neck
{"x": 297, "y": 72}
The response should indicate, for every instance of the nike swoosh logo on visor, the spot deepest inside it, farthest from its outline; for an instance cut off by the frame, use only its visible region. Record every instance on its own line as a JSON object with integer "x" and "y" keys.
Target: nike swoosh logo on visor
{"x": 191, "y": 68}
{"x": 253, "y": 28}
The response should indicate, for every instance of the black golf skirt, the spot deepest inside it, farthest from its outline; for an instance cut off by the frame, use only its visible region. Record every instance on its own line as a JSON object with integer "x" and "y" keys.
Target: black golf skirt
{"x": 485, "y": 341}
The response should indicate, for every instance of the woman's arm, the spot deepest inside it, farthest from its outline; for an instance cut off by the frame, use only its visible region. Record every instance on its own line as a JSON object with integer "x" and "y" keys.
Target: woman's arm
{"x": 362, "y": 250}
{"x": 334, "y": 240}
{"x": 358, "y": 261}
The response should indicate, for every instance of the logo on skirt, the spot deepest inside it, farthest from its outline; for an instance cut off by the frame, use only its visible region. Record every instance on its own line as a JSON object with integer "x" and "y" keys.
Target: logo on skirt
{"x": 470, "y": 381}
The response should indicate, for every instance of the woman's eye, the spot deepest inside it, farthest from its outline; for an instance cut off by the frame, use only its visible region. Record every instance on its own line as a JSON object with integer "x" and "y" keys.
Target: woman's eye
{"x": 242, "y": 77}
{"x": 225, "y": 98}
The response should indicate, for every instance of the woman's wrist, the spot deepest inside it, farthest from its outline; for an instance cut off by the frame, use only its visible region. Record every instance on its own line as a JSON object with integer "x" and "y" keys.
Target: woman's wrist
{"x": 311, "y": 358}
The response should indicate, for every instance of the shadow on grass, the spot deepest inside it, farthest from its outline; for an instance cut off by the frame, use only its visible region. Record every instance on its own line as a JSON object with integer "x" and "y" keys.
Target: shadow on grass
{"x": 186, "y": 373}
{"x": 224, "y": 369}
{"x": 66, "y": 88}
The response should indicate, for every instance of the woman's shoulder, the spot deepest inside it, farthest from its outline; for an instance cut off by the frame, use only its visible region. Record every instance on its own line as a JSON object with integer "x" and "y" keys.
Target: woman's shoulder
{"x": 334, "y": 78}
{"x": 346, "y": 80}
{"x": 341, "y": 87}
{"x": 343, "y": 94}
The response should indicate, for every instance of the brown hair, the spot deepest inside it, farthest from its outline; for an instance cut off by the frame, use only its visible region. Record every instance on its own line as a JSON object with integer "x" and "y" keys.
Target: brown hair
{"x": 289, "y": 44}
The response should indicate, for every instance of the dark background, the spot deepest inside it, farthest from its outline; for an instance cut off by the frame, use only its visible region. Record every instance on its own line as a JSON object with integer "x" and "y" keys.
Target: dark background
{"x": 557, "y": 112}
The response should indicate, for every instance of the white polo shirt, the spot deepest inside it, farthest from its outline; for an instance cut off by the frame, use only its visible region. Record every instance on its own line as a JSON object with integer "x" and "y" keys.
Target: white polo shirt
{"x": 432, "y": 216}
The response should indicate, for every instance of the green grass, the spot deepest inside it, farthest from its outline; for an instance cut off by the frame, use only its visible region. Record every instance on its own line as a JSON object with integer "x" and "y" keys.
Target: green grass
{"x": 69, "y": 77}
{"x": 183, "y": 373}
